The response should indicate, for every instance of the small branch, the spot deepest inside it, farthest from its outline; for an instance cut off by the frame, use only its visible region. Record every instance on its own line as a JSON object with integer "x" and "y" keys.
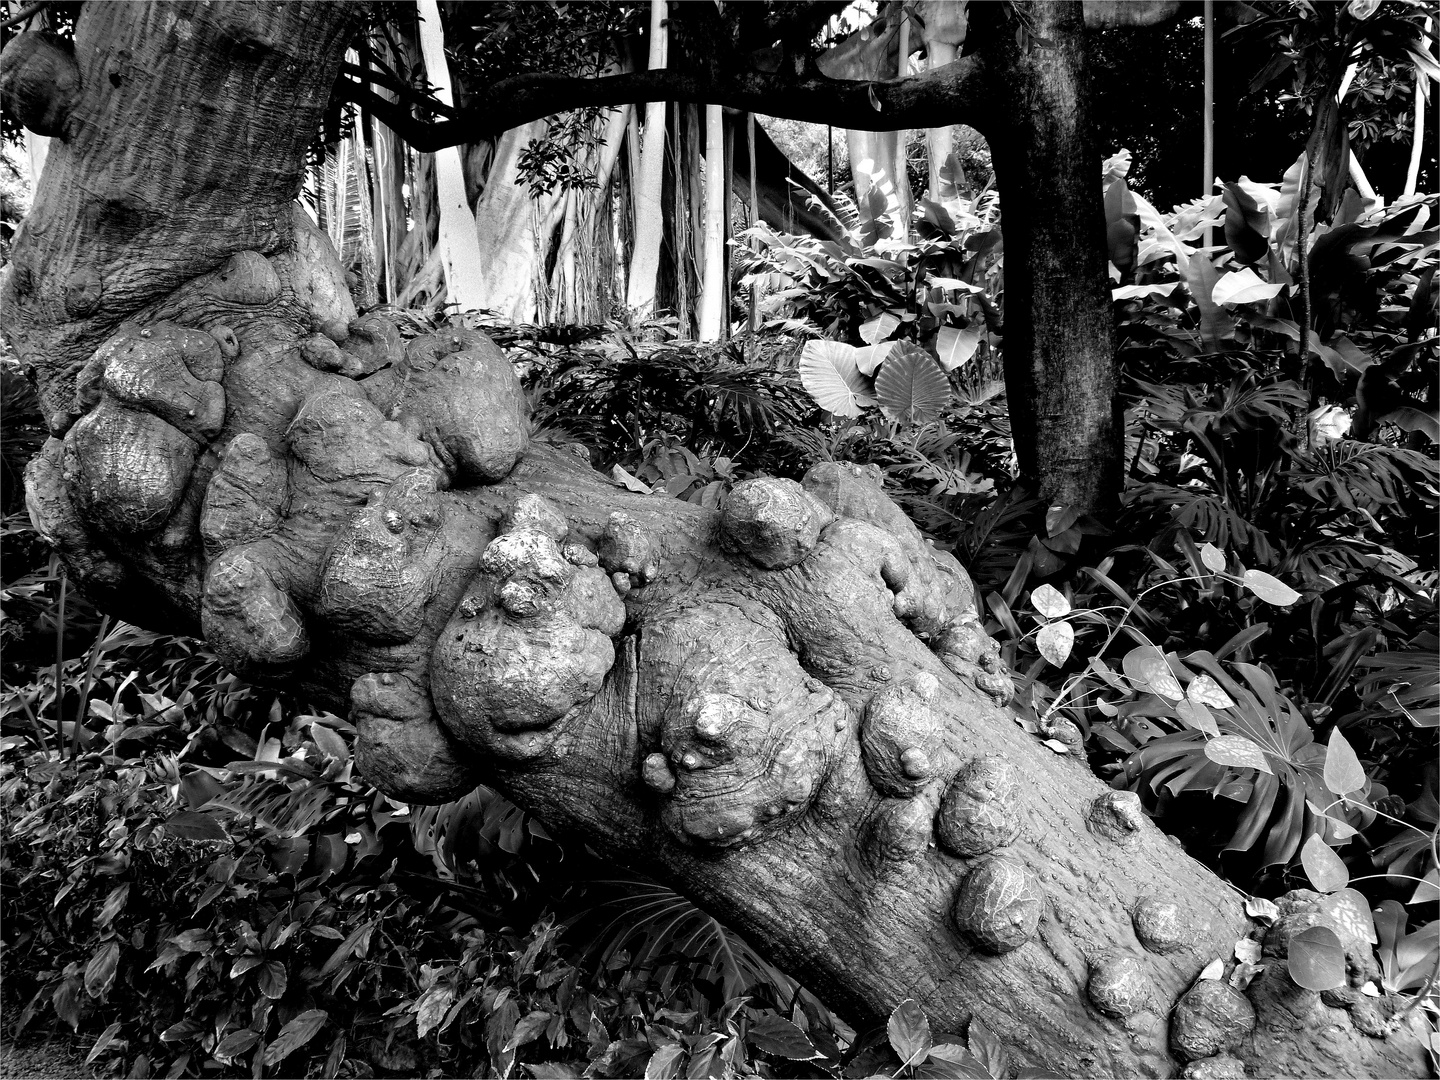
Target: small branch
{"x": 408, "y": 93}
{"x": 24, "y": 14}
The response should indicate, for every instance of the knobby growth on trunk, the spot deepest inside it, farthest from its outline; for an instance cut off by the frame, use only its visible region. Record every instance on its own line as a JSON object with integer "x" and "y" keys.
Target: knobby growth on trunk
{"x": 787, "y": 708}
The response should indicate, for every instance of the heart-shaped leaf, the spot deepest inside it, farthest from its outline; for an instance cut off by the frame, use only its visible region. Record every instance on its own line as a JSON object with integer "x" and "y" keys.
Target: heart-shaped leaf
{"x": 1343, "y": 771}
{"x": 955, "y": 346}
{"x": 1316, "y": 959}
{"x": 1270, "y": 589}
{"x": 1323, "y": 867}
{"x": 1197, "y": 716}
{"x": 911, "y": 388}
{"x": 1050, "y": 602}
{"x": 1203, "y": 690}
{"x": 873, "y": 331}
{"x": 829, "y": 375}
{"x": 1148, "y": 669}
{"x": 1212, "y": 557}
{"x": 1055, "y": 641}
{"x": 1237, "y": 750}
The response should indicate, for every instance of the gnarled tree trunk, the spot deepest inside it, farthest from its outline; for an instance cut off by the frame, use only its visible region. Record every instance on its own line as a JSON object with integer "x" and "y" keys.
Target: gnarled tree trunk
{"x": 787, "y": 708}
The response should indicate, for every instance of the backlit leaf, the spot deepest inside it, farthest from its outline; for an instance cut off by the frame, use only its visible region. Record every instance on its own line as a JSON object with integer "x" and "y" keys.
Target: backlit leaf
{"x": 1243, "y": 287}
{"x": 829, "y": 375}
{"x": 1212, "y": 557}
{"x": 1343, "y": 771}
{"x": 1323, "y": 867}
{"x": 1259, "y": 908}
{"x": 1316, "y": 959}
{"x": 1049, "y": 601}
{"x": 1237, "y": 750}
{"x": 873, "y": 331}
{"x": 1270, "y": 589}
{"x": 909, "y": 1032}
{"x": 1055, "y": 641}
{"x": 1197, "y": 716}
{"x": 1147, "y": 668}
{"x": 1214, "y": 969}
{"x": 1203, "y": 690}
{"x": 955, "y": 346}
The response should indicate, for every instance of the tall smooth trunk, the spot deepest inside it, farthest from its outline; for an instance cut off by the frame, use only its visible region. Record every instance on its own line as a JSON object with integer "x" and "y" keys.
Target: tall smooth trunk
{"x": 712, "y": 288}
{"x": 459, "y": 248}
{"x": 649, "y": 208}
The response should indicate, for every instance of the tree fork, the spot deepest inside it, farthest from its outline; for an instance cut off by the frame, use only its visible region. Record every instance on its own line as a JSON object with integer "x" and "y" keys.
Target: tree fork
{"x": 786, "y": 708}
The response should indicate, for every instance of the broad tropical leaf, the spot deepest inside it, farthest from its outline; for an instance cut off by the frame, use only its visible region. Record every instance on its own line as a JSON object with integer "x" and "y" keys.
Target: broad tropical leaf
{"x": 829, "y": 374}
{"x": 910, "y": 387}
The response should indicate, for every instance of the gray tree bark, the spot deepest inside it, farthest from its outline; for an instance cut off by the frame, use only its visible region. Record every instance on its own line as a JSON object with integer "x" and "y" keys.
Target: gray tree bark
{"x": 786, "y": 708}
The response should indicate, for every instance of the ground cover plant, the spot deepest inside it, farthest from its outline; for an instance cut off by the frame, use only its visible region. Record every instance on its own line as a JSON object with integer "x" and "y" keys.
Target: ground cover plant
{"x": 1074, "y": 712}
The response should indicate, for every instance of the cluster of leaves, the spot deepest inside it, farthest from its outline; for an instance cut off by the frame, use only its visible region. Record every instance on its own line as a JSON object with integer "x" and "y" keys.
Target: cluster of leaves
{"x": 681, "y": 416}
{"x": 277, "y": 913}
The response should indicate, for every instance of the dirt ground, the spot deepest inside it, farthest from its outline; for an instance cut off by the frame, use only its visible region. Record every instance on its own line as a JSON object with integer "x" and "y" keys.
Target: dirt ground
{"x": 53, "y": 1059}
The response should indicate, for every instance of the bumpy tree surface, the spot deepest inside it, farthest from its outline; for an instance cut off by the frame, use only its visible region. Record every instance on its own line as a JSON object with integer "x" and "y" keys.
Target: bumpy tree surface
{"x": 786, "y": 708}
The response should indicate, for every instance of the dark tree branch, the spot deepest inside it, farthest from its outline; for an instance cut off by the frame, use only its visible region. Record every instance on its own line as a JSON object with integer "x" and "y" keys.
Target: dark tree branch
{"x": 946, "y": 95}
{"x": 408, "y": 94}
{"x": 24, "y": 14}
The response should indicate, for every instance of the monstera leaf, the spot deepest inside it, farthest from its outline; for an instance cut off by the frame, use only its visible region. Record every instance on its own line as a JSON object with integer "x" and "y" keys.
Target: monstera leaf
{"x": 829, "y": 375}
{"x": 911, "y": 387}
{"x": 1264, "y": 756}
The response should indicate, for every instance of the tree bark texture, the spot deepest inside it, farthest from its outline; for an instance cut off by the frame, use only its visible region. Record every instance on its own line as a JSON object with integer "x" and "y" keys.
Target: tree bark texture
{"x": 786, "y": 708}
{"x": 1059, "y": 350}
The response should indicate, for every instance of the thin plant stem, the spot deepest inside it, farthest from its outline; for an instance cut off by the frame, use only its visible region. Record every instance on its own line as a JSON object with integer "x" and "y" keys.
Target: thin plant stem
{"x": 60, "y": 666}
{"x": 40, "y": 735}
{"x": 97, "y": 650}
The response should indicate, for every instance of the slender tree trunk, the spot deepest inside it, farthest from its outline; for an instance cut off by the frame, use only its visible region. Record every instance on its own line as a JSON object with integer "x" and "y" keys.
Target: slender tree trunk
{"x": 649, "y": 208}
{"x": 1059, "y": 354}
{"x": 459, "y": 248}
{"x": 1417, "y": 134}
{"x": 786, "y": 708}
{"x": 712, "y": 288}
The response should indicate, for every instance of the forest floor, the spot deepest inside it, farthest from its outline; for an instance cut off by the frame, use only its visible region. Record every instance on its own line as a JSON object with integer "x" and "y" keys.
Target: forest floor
{"x": 54, "y": 1058}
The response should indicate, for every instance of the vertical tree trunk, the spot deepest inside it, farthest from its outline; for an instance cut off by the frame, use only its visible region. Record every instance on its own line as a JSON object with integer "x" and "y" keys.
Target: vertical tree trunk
{"x": 459, "y": 248}
{"x": 712, "y": 288}
{"x": 649, "y": 208}
{"x": 785, "y": 707}
{"x": 1059, "y": 353}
